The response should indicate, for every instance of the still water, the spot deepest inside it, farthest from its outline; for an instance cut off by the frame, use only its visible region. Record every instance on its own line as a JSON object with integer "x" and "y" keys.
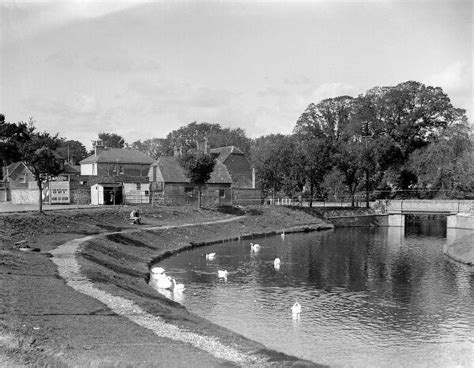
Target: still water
{"x": 381, "y": 297}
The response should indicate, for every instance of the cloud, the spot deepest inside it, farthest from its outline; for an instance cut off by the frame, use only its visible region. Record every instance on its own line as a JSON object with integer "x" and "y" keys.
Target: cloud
{"x": 331, "y": 90}
{"x": 121, "y": 63}
{"x": 21, "y": 19}
{"x": 455, "y": 80}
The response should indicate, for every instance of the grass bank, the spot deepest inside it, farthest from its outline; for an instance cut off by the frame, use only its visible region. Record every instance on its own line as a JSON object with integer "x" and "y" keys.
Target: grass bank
{"x": 39, "y": 311}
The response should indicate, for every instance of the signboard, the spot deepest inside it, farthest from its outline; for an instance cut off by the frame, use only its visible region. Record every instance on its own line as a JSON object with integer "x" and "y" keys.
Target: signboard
{"x": 59, "y": 192}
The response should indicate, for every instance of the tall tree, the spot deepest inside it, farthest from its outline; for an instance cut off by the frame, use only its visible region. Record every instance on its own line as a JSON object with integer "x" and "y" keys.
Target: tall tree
{"x": 38, "y": 153}
{"x": 272, "y": 158}
{"x": 72, "y": 151}
{"x": 216, "y": 136}
{"x": 11, "y": 135}
{"x": 198, "y": 167}
{"x": 112, "y": 140}
{"x": 320, "y": 130}
{"x": 154, "y": 147}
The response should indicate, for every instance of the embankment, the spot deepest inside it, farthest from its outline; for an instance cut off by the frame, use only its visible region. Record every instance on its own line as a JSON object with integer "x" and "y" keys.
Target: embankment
{"x": 118, "y": 264}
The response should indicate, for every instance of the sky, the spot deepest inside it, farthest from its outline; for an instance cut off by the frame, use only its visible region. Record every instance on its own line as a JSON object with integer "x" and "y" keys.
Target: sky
{"x": 144, "y": 69}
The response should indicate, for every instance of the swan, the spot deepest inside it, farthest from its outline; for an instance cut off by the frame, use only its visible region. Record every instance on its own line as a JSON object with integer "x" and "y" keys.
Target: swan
{"x": 222, "y": 274}
{"x": 254, "y": 247}
{"x": 276, "y": 263}
{"x": 283, "y": 235}
{"x": 163, "y": 282}
{"x": 158, "y": 270}
{"x": 211, "y": 256}
{"x": 177, "y": 287}
{"x": 296, "y": 308}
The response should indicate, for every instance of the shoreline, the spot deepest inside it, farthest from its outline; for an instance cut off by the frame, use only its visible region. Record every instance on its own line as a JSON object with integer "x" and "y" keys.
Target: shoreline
{"x": 117, "y": 265}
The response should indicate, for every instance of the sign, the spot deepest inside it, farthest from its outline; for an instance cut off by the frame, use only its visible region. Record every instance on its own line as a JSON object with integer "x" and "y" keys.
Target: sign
{"x": 59, "y": 192}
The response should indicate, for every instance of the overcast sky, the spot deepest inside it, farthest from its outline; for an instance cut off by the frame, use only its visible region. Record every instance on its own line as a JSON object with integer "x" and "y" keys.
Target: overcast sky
{"x": 143, "y": 69}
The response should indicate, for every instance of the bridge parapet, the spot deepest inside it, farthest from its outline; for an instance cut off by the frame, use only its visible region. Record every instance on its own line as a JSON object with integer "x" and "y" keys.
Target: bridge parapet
{"x": 430, "y": 206}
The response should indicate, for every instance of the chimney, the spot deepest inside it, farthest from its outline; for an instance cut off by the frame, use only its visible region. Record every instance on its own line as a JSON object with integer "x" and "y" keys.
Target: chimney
{"x": 98, "y": 146}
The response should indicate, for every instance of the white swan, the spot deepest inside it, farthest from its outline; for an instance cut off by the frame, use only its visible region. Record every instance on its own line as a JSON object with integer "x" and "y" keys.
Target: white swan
{"x": 211, "y": 256}
{"x": 222, "y": 274}
{"x": 283, "y": 235}
{"x": 157, "y": 270}
{"x": 177, "y": 287}
{"x": 254, "y": 247}
{"x": 296, "y": 308}
{"x": 276, "y": 263}
{"x": 162, "y": 281}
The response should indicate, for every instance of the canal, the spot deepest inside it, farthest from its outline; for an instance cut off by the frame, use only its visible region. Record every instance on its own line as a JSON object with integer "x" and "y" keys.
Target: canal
{"x": 370, "y": 297}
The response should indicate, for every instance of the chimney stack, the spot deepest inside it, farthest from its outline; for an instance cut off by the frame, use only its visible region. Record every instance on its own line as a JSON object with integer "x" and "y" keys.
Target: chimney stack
{"x": 98, "y": 146}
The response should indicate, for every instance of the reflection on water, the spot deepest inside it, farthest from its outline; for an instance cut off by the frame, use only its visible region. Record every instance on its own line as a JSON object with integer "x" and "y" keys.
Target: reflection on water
{"x": 377, "y": 297}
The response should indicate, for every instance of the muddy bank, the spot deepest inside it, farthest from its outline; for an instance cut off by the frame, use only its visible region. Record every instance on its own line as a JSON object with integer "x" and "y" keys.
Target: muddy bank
{"x": 45, "y": 322}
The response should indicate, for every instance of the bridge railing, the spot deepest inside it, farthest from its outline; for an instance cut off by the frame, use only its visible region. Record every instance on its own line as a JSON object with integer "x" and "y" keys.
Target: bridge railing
{"x": 435, "y": 206}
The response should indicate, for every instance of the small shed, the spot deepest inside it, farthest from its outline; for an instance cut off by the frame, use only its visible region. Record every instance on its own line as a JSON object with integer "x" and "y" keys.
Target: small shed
{"x": 107, "y": 193}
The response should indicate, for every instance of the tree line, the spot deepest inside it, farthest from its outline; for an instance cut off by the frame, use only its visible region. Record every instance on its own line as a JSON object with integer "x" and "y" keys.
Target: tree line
{"x": 407, "y": 138}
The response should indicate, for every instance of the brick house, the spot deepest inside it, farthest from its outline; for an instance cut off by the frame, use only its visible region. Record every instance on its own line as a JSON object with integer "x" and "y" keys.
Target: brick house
{"x": 171, "y": 186}
{"x": 117, "y": 175}
{"x": 241, "y": 172}
{"x": 20, "y": 185}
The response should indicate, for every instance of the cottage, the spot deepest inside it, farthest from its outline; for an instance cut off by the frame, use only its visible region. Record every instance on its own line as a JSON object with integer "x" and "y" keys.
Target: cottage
{"x": 20, "y": 185}
{"x": 241, "y": 172}
{"x": 171, "y": 186}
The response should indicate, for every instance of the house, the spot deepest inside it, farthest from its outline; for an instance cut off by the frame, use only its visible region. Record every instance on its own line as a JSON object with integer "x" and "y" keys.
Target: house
{"x": 239, "y": 167}
{"x": 171, "y": 186}
{"x": 20, "y": 185}
{"x": 117, "y": 175}
{"x": 242, "y": 174}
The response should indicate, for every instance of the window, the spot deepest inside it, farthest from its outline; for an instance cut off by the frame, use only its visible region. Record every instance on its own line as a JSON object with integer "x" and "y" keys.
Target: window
{"x": 139, "y": 186}
{"x": 222, "y": 193}
{"x": 121, "y": 169}
{"x": 189, "y": 190}
{"x": 22, "y": 178}
{"x": 147, "y": 193}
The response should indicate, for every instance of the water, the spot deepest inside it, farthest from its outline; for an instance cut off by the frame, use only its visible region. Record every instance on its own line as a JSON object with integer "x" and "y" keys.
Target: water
{"x": 370, "y": 297}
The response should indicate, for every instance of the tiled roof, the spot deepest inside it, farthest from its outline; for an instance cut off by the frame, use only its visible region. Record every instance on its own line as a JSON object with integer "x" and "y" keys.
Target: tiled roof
{"x": 224, "y": 152}
{"x": 173, "y": 172}
{"x": 220, "y": 175}
{"x": 123, "y": 155}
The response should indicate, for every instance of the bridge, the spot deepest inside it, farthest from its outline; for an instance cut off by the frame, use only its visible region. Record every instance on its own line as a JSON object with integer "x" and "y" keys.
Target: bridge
{"x": 460, "y": 213}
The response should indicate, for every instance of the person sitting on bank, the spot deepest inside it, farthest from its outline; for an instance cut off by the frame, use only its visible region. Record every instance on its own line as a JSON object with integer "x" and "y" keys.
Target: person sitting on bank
{"x": 135, "y": 217}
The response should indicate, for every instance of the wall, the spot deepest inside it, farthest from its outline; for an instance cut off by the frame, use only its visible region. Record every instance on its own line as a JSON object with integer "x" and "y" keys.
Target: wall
{"x": 109, "y": 169}
{"x": 359, "y": 220}
{"x": 461, "y": 221}
{"x": 24, "y": 196}
{"x": 246, "y": 196}
{"x": 134, "y": 195}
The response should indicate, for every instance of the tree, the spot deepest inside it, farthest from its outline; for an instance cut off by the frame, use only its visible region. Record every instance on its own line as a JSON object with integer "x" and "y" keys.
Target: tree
{"x": 216, "y": 136}
{"x": 198, "y": 167}
{"x": 446, "y": 164}
{"x": 11, "y": 135}
{"x": 38, "y": 153}
{"x": 272, "y": 158}
{"x": 154, "y": 147}
{"x": 72, "y": 151}
{"x": 112, "y": 140}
